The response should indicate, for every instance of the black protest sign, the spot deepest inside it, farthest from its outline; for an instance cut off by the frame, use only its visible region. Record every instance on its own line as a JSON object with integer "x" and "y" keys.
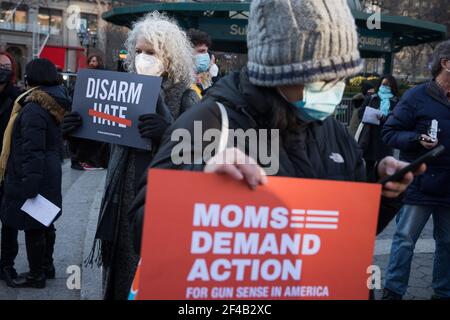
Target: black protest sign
{"x": 110, "y": 104}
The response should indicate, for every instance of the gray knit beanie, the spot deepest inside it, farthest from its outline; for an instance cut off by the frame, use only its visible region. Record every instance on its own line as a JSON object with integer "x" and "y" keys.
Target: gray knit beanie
{"x": 293, "y": 42}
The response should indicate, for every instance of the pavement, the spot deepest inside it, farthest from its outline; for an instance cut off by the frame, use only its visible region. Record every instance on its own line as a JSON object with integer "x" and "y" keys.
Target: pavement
{"x": 82, "y": 193}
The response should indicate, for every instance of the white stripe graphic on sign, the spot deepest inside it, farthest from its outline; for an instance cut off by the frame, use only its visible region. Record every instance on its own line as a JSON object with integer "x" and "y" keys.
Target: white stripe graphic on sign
{"x": 320, "y": 219}
{"x": 294, "y": 218}
{"x": 297, "y": 225}
{"x": 320, "y": 226}
{"x": 323, "y": 213}
{"x": 298, "y": 211}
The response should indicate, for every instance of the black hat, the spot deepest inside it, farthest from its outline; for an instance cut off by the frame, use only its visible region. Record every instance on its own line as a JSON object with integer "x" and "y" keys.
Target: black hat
{"x": 42, "y": 72}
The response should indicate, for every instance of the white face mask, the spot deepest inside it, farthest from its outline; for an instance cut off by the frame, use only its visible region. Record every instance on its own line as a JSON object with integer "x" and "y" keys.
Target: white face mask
{"x": 148, "y": 65}
{"x": 214, "y": 70}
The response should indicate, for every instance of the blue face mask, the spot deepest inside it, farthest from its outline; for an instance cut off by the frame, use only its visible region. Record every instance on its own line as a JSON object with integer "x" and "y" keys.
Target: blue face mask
{"x": 202, "y": 62}
{"x": 320, "y": 100}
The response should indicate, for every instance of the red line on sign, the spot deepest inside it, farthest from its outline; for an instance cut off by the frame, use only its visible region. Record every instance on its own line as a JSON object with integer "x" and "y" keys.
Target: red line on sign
{"x": 98, "y": 114}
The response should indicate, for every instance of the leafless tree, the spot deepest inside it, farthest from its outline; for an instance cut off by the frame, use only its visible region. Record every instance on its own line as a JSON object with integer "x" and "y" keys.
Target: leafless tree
{"x": 413, "y": 60}
{"x": 111, "y": 38}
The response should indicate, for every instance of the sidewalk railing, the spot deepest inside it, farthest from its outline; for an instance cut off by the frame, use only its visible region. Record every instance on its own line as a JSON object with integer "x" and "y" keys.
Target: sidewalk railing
{"x": 344, "y": 111}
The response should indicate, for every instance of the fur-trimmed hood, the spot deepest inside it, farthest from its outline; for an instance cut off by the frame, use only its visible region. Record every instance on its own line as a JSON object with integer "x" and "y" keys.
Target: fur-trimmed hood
{"x": 53, "y": 99}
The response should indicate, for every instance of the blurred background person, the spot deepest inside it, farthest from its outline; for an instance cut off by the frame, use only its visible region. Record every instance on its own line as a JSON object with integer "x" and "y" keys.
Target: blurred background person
{"x": 8, "y": 91}
{"x": 30, "y": 164}
{"x": 385, "y": 99}
{"x": 367, "y": 89}
{"x": 205, "y": 61}
{"x": 214, "y": 70}
{"x": 8, "y": 94}
{"x": 95, "y": 61}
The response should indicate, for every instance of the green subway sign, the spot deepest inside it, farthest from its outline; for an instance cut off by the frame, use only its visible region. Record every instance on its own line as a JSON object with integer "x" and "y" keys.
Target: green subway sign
{"x": 236, "y": 30}
{"x": 224, "y": 29}
{"x": 374, "y": 40}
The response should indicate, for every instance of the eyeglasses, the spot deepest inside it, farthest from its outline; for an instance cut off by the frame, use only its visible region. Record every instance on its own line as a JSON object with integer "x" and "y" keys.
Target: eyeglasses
{"x": 320, "y": 86}
{"x": 6, "y": 66}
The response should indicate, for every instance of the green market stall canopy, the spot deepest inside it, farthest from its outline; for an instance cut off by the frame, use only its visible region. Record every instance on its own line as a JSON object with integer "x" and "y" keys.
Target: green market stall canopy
{"x": 226, "y": 22}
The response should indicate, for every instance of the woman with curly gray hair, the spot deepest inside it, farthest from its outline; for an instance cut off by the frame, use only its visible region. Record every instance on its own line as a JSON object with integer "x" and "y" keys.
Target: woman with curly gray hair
{"x": 156, "y": 47}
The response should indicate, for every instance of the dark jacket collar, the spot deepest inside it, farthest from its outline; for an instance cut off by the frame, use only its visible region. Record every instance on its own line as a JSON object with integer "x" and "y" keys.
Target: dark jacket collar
{"x": 436, "y": 92}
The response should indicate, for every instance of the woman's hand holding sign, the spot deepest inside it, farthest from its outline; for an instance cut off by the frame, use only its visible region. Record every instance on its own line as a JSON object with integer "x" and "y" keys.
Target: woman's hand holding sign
{"x": 152, "y": 126}
{"x": 239, "y": 166}
{"x": 71, "y": 122}
{"x": 233, "y": 162}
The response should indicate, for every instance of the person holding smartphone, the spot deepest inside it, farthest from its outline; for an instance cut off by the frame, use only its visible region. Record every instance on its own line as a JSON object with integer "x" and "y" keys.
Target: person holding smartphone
{"x": 411, "y": 130}
{"x": 291, "y": 85}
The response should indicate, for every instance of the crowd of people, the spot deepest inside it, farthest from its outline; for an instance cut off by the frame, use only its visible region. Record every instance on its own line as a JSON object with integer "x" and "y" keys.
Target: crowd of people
{"x": 284, "y": 69}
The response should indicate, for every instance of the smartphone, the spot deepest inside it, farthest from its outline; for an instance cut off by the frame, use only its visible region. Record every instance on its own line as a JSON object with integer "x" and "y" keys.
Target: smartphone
{"x": 413, "y": 166}
{"x": 433, "y": 131}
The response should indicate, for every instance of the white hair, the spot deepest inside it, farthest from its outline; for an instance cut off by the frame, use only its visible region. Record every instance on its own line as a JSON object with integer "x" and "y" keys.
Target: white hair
{"x": 170, "y": 43}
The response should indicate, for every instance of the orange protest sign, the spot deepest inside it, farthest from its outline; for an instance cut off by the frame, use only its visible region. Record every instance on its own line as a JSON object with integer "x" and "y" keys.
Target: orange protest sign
{"x": 209, "y": 237}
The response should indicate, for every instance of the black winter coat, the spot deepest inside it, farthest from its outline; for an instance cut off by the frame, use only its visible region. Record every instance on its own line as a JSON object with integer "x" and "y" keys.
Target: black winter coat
{"x": 371, "y": 141}
{"x": 7, "y": 98}
{"x": 318, "y": 150}
{"x": 34, "y": 164}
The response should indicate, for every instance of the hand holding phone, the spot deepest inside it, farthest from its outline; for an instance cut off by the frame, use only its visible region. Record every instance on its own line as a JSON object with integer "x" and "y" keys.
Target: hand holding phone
{"x": 413, "y": 166}
{"x": 428, "y": 142}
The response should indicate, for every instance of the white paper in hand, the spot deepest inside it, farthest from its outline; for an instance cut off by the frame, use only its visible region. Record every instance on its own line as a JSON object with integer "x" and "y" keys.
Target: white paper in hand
{"x": 41, "y": 209}
{"x": 372, "y": 116}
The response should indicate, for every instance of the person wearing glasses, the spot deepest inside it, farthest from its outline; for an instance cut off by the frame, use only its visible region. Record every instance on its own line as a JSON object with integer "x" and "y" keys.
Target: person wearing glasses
{"x": 8, "y": 90}
{"x": 8, "y": 94}
{"x": 292, "y": 83}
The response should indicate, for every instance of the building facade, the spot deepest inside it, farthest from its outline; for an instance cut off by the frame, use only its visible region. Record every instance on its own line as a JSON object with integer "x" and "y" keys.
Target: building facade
{"x": 63, "y": 31}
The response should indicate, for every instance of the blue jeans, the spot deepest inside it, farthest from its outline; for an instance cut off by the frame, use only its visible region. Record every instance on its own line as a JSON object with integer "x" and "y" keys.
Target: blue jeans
{"x": 410, "y": 222}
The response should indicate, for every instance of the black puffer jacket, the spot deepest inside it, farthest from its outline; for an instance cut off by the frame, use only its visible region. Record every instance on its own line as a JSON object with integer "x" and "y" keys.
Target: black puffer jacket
{"x": 319, "y": 150}
{"x": 411, "y": 118}
{"x": 34, "y": 164}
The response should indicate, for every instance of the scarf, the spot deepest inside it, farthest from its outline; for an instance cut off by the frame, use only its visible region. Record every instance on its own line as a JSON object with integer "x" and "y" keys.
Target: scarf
{"x": 204, "y": 80}
{"x": 173, "y": 94}
{"x": 7, "y": 136}
{"x": 385, "y": 95}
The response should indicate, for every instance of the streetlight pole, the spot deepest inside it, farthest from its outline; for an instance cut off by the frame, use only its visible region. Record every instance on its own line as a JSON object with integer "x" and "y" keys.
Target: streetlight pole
{"x": 86, "y": 37}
